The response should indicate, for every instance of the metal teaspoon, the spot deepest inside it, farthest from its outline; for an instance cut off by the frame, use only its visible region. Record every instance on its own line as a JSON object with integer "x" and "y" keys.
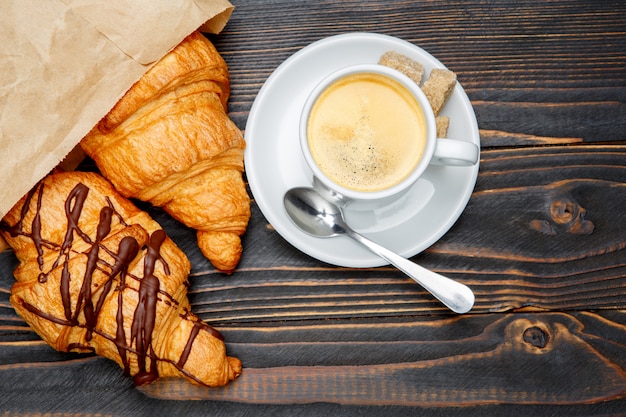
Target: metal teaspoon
{"x": 321, "y": 218}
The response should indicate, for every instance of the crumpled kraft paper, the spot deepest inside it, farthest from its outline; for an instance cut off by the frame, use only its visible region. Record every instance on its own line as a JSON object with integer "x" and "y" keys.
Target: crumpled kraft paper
{"x": 65, "y": 63}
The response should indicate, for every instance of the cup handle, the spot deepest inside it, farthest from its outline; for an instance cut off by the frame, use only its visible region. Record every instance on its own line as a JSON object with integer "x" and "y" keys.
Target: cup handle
{"x": 454, "y": 153}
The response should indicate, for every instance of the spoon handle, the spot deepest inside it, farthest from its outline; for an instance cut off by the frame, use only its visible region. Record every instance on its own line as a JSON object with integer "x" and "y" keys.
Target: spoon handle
{"x": 456, "y": 296}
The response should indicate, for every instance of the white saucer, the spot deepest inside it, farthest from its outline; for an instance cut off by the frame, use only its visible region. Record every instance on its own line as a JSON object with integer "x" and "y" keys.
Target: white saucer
{"x": 274, "y": 162}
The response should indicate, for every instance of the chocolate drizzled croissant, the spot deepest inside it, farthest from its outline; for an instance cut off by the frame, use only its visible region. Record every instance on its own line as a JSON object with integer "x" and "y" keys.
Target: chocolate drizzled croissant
{"x": 170, "y": 142}
{"x": 96, "y": 274}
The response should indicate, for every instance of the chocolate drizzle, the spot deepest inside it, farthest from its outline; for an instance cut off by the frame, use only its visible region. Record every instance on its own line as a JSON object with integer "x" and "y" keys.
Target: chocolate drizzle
{"x": 35, "y": 234}
{"x": 143, "y": 320}
{"x": 73, "y": 208}
{"x": 197, "y": 326}
{"x": 93, "y": 295}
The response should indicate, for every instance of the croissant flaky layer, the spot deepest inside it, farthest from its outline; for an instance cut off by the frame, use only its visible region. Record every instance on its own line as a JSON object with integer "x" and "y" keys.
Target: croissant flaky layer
{"x": 169, "y": 141}
{"x": 97, "y": 274}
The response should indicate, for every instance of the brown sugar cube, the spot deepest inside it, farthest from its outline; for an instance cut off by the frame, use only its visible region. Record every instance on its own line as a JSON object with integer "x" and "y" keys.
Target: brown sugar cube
{"x": 438, "y": 88}
{"x": 442, "y": 123}
{"x": 412, "y": 69}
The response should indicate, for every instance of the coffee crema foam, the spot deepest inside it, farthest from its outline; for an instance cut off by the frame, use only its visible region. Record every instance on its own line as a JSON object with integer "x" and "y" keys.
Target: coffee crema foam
{"x": 366, "y": 132}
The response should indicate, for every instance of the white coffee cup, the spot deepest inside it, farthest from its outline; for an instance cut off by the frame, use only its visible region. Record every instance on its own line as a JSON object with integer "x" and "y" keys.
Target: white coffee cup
{"x": 372, "y": 107}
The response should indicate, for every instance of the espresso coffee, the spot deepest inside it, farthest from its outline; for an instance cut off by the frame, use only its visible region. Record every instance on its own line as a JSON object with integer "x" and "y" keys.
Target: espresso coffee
{"x": 366, "y": 132}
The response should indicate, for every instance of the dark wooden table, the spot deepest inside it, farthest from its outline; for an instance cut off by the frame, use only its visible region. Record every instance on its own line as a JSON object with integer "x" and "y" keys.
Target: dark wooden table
{"x": 542, "y": 242}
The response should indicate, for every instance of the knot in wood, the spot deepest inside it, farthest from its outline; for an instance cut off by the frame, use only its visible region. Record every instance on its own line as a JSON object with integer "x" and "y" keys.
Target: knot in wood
{"x": 536, "y": 337}
{"x": 567, "y": 216}
{"x": 572, "y": 215}
{"x": 565, "y": 211}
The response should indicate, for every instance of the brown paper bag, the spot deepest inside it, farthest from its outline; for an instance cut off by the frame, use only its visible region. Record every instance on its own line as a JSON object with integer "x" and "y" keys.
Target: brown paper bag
{"x": 64, "y": 65}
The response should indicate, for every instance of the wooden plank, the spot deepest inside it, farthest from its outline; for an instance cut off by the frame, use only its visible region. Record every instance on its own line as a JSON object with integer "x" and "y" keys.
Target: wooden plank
{"x": 543, "y": 358}
{"x": 534, "y": 71}
{"x": 520, "y": 358}
{"x": 536, "y": 232}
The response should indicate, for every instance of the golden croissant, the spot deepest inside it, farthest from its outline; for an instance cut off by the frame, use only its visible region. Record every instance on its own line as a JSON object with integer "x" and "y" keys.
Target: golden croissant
{"x": 170, "y": 142}
{"x": 96, "y": 274}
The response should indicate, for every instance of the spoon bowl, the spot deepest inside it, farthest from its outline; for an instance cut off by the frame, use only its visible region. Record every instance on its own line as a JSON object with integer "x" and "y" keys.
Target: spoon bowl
{"x": 318, "y": 217}
{"x": 313, "y": 214}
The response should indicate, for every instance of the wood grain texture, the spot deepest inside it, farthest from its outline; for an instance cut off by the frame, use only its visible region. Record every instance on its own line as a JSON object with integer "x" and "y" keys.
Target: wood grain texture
{"x": 540, "y": 353}
{"x": 542, "y": 242}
